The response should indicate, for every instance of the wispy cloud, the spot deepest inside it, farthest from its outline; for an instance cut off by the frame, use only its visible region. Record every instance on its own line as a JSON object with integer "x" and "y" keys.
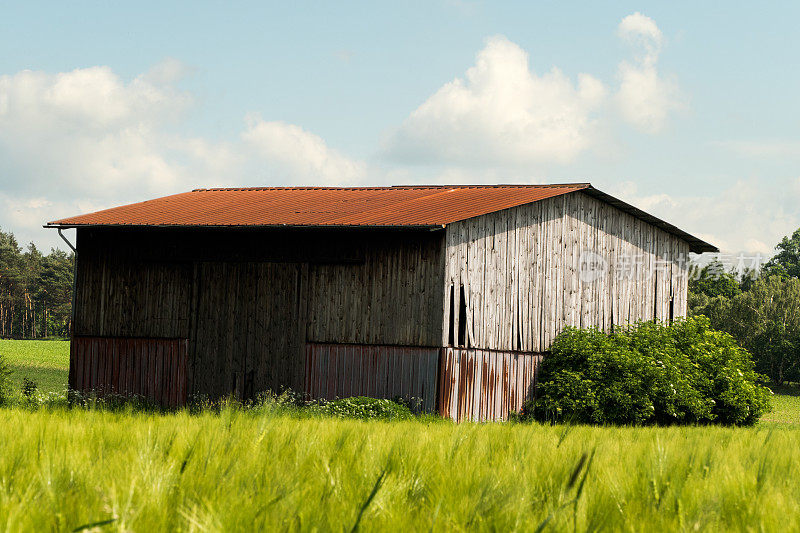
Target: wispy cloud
{"x": 645, "y": 97}
{"x": 765, "y": 148}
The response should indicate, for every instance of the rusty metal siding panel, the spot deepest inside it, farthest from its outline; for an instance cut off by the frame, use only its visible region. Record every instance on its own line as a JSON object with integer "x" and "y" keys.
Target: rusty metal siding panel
{"x": 343, "y": 370}
{"x": 154, "y": 369}
{"x": 484, "y": 385}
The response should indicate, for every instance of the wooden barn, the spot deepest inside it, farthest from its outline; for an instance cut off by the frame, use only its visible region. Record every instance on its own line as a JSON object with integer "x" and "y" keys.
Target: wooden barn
{"x": 449, "y": 294}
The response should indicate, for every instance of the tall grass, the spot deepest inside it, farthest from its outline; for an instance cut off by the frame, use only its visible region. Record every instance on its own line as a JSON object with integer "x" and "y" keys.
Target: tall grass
{"x": 63, "y": 469}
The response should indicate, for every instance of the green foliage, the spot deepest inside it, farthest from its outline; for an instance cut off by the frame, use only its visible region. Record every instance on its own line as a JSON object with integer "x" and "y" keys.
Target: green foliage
{"x": 650, "y": 373}
{"x": 786, "y": 263}
{"x": 765, "y": 320}
{"x": 713, "y": 280}
{"x": 366, "y": 409}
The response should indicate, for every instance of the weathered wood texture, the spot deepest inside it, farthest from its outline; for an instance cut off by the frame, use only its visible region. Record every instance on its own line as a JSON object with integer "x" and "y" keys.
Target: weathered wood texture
{"x": 154, "y": 369}
{"x": 248, "y": 301}
{"x": 345, "y": 370}
{"x": 481, "y": 385}
{"x": 521, "y": 276}
{"x": 246, "y": 333}
{"x": 393, "y": 297}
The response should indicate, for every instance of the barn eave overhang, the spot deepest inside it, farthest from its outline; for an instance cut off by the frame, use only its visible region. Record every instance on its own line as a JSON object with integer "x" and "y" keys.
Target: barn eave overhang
{"x": 399, "y": 227}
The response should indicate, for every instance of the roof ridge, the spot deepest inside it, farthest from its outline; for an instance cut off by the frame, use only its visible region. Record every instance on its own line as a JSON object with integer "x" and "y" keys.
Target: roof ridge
{"x": 395, "y": 187}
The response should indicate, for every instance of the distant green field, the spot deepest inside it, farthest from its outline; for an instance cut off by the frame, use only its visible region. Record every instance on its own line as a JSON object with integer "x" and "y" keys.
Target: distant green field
{"x": 45, "y": 362}
{"x": 785, "y": 406}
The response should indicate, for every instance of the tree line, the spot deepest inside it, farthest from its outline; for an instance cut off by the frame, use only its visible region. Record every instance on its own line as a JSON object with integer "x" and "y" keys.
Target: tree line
{"x": 760, "y": 309}
{"x": 35, "y": 291}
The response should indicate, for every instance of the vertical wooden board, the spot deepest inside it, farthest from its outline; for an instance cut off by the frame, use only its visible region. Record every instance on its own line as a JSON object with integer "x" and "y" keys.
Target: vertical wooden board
{"x": 458, "y": 399}
{"x": 477, "y": 385}
{"x": 417, "y": 384}
{"x": 367, "y": 373}
{"x": 152, "y": 376}
{"x": 164, "y": 386}
{"x": 332, "y": 374}
{"x": 452, "y": 384}
{"x": 130, "y": 367}
{"x": 97, "y": 366}
{"x": 400, "y": 375}
{"x": 100, "y": 376}
{"x": 184, "y": 392}
{"x": 158, "y": 373}
{"x": 76, "y": 364}
{"x": 169, "y": 373}
{"x": 323, "y": 365}
{"x": 441, "y": 401}
{"x": 120, "y": 373}
{"x": 170, "y": 397}
{"x": 108, "y": 378}
{"x": 178, "y": 378}
{"x": 382, "y": 372}
{"x": 468, "y": 383}
{"x": 500, "y": 372}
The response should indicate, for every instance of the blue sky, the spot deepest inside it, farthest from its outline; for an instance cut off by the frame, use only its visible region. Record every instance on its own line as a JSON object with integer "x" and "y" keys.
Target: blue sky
{"x": 688, "y": 110}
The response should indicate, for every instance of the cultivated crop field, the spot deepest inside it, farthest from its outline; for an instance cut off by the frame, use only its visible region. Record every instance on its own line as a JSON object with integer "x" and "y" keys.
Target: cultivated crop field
{"x": 278, "y": 468}
{"x": 45, "y": 362}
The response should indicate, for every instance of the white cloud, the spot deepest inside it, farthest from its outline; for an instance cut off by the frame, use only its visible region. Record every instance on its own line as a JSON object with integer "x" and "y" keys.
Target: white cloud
{"x": 301, "y": 155}
{"x": 84, "y": 140}
{"x": 85, "y": 131}
{"x": 645, "y": 98}
{"x": 734, "y": 219}
{"x": 502, "y": 113}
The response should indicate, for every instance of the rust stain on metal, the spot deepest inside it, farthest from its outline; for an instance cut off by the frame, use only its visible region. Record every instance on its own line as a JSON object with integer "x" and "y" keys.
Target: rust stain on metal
{"x": 483, "y": 385}
{"x": 154, "y": 369}
{"x": 344, "y": 370}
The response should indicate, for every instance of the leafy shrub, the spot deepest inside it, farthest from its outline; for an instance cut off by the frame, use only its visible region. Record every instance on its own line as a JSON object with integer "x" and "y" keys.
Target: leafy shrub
{"x": 649, "y": 373}
{"x": 366, "y": 409}
{"x": 5, "y": 381}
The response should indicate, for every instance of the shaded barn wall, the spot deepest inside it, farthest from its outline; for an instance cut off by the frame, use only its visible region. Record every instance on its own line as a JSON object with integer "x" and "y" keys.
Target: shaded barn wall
{"x": 513, "y": 278}
{"x": 392, "y": 297}
{"x": 248, "y": 301}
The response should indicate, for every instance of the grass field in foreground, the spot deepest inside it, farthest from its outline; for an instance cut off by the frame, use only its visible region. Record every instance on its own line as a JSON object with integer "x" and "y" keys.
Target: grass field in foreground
{"x": 62, "y": 469}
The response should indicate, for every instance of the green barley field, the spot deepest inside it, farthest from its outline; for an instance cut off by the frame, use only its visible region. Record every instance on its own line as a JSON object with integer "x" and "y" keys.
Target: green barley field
{"x": 276, "y": 469}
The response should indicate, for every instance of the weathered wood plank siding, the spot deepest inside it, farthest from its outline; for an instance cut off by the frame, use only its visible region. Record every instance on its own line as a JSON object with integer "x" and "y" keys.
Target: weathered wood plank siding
{"x": 345, "y": 370}
{"x": 394, "y": 296}
{"x": 521, "y": 275}
{"x": 248, "y": 301}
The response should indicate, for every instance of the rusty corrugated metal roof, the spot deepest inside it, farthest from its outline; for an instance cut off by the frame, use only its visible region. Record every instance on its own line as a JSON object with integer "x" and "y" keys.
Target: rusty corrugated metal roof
{"x": 321, "y": 206}
{"x": 398, "y": 206}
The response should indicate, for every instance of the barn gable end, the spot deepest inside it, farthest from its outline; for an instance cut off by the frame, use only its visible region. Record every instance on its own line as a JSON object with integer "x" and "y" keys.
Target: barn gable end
{"x": 515, "y": 278}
